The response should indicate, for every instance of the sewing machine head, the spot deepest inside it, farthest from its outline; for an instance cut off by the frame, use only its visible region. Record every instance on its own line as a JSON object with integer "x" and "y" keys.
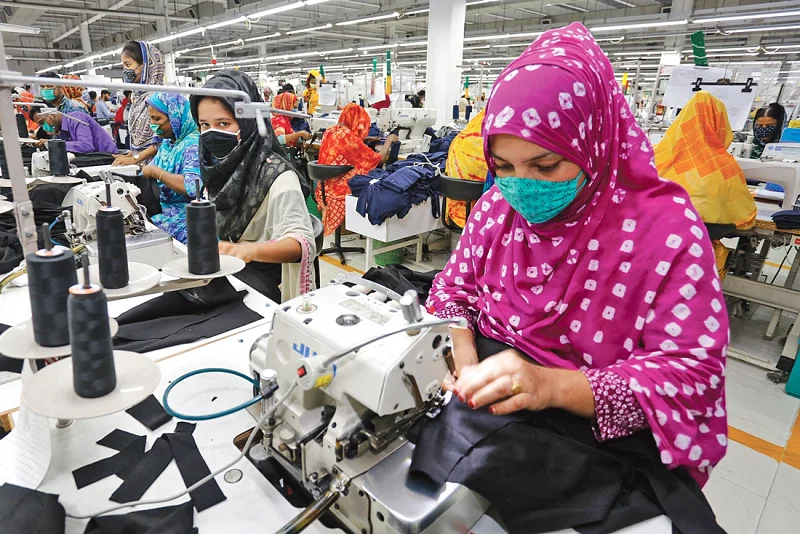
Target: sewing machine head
{"x": 785, "y": 173}
{"x": 87, "y": 199}
{"x": 40, "y": 163}
{"x": 415, "y": 120}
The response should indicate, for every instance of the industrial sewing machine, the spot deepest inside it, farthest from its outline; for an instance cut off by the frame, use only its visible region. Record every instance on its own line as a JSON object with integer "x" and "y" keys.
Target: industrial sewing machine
{"x": 145, "y": 242}
{"x": 40, "y": 163}
{"x": 411, "y": 122}
{"x": 780, "y": 164}
{"x": 341, "y": 433}
{"x": 740, "y": 150}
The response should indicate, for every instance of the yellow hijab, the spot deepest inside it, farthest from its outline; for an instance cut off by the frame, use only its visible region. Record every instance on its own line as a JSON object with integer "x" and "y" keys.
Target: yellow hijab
{"x": 694, "y": 154}
{"x": 465, "y": 160}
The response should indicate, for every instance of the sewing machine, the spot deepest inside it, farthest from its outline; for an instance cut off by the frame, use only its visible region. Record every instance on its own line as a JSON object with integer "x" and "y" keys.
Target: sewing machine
{"x": 320, "y": 123}
{"x": 145, "y": 242}
{"x": 344, "y": 425}
{"x": 40, "y": 166}
{"x": 778, "y": 164}
{"x": 412, "y": 121}
{"x": 740, "y": 150}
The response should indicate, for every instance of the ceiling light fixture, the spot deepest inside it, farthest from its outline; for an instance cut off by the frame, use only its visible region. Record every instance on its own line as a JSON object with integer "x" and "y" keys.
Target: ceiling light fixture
{"x": 276, "y": 10}
{"x": 229, "y": 43}
{"x": 727, "y": 31}
{"x": 306, "y": 30}
{"x": 224, "y": 23}
{"x": 270, "y": 36}
{"x": 638, "y": 25}
{"x": 416, "y": 12}
{"x": 747, "y": 16}
{"x": 569, "y": 7}
{"x": 416, "y": 43}
{"x": 377, "y": 47}
{"x": 178, "y": 35}
{"x": 369, "y": 19}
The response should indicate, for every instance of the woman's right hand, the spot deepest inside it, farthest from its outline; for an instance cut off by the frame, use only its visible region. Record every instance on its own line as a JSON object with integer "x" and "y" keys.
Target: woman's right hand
{"x": 304, "y": 135}
{"x": 123, "y": 159}
{"x": 464, "y": 354}
{"x": 391, "y": 138}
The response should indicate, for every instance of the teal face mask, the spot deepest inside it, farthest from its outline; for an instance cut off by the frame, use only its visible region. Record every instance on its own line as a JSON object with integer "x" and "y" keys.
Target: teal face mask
{"x": 156, "y": 129}
{"x": 47, "y": 128}
{"x": 538, "y": 201}
{"x": 48, "y": 94}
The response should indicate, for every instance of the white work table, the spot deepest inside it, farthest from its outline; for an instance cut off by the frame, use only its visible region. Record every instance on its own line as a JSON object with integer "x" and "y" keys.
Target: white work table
{"x": 252, "y": 504}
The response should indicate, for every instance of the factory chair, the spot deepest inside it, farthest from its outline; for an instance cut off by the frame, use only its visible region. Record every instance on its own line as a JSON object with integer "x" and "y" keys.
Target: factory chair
{"x": 319, "y": 174}
{"x": 456, "y": 189}
{"x": 319, "y": 242}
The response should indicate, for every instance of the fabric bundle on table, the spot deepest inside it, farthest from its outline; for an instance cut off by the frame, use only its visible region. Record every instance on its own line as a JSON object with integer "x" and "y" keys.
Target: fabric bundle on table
{"x": 787, "y": 220}
{"x": 383, "y": 194}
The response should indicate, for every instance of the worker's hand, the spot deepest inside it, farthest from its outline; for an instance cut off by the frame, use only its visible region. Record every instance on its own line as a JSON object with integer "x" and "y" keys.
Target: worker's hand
{"x": 391, "y": 138}
{"x": 40, "y": 143}
{"x": 243, "y": 251}
{"x": 123, "y": 159}
{"x": 151, "y": 171}
{"x": 304, "y": 135}
{"x": 490, "y": 383}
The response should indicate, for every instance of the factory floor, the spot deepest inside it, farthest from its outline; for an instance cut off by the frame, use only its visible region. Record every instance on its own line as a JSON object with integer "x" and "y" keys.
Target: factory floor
{"x": 753, "y": 490}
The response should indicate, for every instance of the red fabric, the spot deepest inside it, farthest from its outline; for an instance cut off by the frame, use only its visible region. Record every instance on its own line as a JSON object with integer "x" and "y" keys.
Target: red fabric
{"x": 343, "y": 144}
{"x": 383, "y": 104}
{"x": 119, "y": 118}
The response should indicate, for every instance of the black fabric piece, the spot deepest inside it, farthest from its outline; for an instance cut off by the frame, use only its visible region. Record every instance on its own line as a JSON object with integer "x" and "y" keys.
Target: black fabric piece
{"x": 120, "y": 464}
{"x": 594, "y": 487}
{"x": 183, "y": 426}
{"x": 25, "y": 511}
{"x": 168, "y": 520}
{"x": 193, "y": 468}
{"x": 145, "y": 473}
{"x": 11, "y": 365}
{"x": 400, "y": 279}
{"x": 150, "y": 191}
{"x": 92, "y": 159}
{"x": 264, "y": 278}
{"x": 149, "y": 412}
{"x": 183, "y": 317}
{"x": 118, "y": 440}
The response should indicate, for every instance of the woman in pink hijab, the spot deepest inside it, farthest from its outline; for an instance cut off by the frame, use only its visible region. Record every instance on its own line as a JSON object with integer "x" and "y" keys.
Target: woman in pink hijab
{"x": 585, "y": 262}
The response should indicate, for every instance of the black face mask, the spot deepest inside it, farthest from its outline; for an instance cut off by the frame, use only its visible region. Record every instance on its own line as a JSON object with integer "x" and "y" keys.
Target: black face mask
{"x": 219, "y": 143}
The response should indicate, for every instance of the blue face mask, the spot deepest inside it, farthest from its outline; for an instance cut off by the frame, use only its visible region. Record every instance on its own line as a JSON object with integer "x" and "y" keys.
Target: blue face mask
{"x": 538, "y": 201}
{"x": 765, "y": 132}
{"x": 48, "y": 94}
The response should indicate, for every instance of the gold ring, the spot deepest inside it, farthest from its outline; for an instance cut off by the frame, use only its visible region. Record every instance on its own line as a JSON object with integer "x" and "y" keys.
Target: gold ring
{"x": 516, "y": 387}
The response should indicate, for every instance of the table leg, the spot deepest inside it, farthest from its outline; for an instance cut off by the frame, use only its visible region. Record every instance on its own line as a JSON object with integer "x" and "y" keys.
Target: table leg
{"x": 419, "y": 249}
{"x": 773, "y": 324}
{"x": 369, "y": 254}
{"x": 776, "y": 315}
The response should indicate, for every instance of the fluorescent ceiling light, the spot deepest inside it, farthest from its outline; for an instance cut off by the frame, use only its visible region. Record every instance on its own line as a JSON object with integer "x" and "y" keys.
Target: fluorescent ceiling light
{"x": 306, "y": 30}
{"x": 417, "y": 52}
{"x": 506, "y": 45}
{"x": 478, "y": 2}
{"x": 48, "y": 69}
{"x": 178, "y": 35}
{"x": 623, "y": 3}
{"x": 641, "y": 53}
{"x": 369, "y": 19}
{"x": 479, "y": 47}
{"x": 640, "y": 25}
{"x": 336, "y": 58}
{"x": 276, "y": 10}
{"x": 340, "y": 51}
{"x": 270, "y": 36}
{"x": 417, "y": 43}
{"x": 748, "y": 16}
{"x": 227, "y": 23}
{"x": 422, "y": 62}
{"x": 376, "y": 47}
{"x": 506, "y": 36}
{"x": 531, "y": 11}
{"x": 726, "y": 31}
{"x": 416, "y": 12}
{"x": 569, "y": 7}
{"x": 229, "y": 43}
{"x": 17, "y": 28}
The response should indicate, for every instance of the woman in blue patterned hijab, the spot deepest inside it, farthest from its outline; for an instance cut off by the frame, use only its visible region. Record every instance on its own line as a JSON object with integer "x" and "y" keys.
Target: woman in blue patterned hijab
{"x": 176, "y": 165}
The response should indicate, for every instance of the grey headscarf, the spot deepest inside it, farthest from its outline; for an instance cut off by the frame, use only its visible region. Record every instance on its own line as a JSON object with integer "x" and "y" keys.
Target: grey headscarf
{"x": 239, "y": 183}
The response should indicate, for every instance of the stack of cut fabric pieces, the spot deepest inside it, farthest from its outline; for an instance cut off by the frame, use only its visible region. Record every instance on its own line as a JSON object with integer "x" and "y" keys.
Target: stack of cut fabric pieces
{"x": 787, "y": 220}
{"x": 390, "y": 192}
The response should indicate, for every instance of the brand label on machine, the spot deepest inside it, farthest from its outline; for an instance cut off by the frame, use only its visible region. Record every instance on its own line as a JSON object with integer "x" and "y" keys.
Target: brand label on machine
{"x": 365, "y": 311}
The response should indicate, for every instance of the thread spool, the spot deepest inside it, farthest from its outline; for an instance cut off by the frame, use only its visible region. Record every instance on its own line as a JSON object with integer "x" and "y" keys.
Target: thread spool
{"x": 112, "y": 254}
{"x": 57, "y": 154}
{"x": 455, "y": 112}
{"x": 51, "y": 272}
{"x": 201, "y": 232}
{"x": 468, "y": 113}
{"x": 22, "y": 126}
{"x": 93, "y": 372}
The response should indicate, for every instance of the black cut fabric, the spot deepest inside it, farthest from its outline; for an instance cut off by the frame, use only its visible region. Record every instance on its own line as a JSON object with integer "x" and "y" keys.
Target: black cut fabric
{"x": 168, "y": 520}
{"x": 149, "y": 412}
{"x": 117, "y": 439}
{"x": 144, "y": 473}
{"x": 11, "y": 365}
{"x": 264, "y": 278}
{"x": 400, "y": 279}
{"x": 26, "y": 511}
{"x": 120, "y": 464}
{"x": 193, "y": 468}
{"x": 92, "y": 159}
{"x": 544, "y": 471}
{"x": 183, "y": 317}
{"x": 150, "y": 191}
{"x": 183, "y": 426}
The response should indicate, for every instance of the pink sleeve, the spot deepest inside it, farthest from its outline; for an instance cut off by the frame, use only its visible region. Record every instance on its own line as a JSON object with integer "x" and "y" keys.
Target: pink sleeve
{"x": 618, "y": 413}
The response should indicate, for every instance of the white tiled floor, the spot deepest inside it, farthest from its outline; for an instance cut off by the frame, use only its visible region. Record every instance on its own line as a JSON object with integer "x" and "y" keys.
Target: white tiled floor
{"x": 750, "y": 492}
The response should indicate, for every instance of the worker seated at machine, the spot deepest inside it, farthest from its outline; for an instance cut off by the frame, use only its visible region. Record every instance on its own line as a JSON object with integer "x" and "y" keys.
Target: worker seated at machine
{"x": 56, "y": 96}
{"x": 282, "y": 124}
{"x": 43, "y": 130}
{"x": 465, "y": 160}
{"x": 262, "y": 216}
{"x": 597, "y": 276}
{"x": 767, "y": 128}
{"x": 176, "y": 166}
{"x": 343, "y": 144}
{"x": 81, "y": 132}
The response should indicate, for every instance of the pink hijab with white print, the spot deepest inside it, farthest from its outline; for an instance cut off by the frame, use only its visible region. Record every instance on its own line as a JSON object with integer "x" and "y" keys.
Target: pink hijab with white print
{"x": 624, "y": 279}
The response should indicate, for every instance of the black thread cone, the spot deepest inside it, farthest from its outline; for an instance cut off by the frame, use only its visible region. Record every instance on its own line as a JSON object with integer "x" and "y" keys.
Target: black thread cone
{"x": 202, "y": 242}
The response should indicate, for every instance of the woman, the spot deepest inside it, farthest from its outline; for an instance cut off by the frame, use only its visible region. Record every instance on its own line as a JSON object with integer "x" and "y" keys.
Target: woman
{"x": 176, "y": 165}
{"x": 261, "y": 213}
{"x": 694, "y": 153}
{"x": 465, "y": 160}
{"x": 767, "y": 128}
{"x": 282, "y": 125}
{"x": 587, "y": 264}
{"x": 141, "y": 63}
{"x": 343, "y": 144}
{"x": 310, "y": 94}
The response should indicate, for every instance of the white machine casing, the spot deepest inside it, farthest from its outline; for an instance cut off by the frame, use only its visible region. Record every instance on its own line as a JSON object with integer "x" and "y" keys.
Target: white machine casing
{"x": 88, "y": 199}
{"x": 413, "y": 120}
{"x": 780, "y": 164}
{"x": 372, "y": 388}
